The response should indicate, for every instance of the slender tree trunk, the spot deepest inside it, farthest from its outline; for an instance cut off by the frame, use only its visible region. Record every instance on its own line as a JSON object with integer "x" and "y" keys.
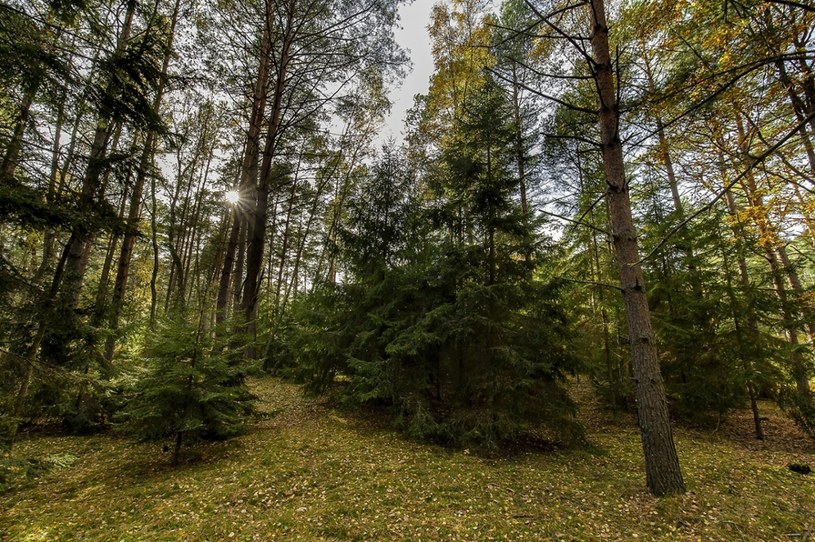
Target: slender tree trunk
{"x": 520, "y": 150}
{"x": 134, "y": 214}
{"x": 342, "y": 186}
{"x": 284, "y": 248}
{"x": 799, "y": 108}
{"x": 154, "y": 243}
{"x": 11, "y": 157}
{"x": 221, "y": 302}
{"x": 48, "y": 234}
{"x": 50, "y": 35}
{"x": 177, "y": 234}
{"x": 191, "y": 252}
{"x": 737, "y": 311}
{"x": 75, "y": 264}
{"x": 662, "y": 469}
{"x": 179, "y": 207}
{"x": 809, "y": 220}
{"x": 667, "y": 162}
{"x": 104, "y": 279}
{"x": 664, "y": 152}
{"x": 797, "y": 287}
{"x": 238, "y": 274}
{"x": 746, "y": 307}
{"x": 769, "y": 241}
{"x": 599, "y": 300}
{"x": 29, "y": 354}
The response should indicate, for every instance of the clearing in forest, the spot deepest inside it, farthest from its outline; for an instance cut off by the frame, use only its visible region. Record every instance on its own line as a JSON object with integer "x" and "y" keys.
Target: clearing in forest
{"x": 306, "y": 471}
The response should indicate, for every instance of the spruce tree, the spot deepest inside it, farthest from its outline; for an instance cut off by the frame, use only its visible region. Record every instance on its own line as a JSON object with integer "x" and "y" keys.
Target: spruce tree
{"x": 190, "y": 388}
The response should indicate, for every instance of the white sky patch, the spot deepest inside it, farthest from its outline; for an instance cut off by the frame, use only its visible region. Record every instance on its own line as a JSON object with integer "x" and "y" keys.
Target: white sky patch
{"x": 412, "y": 36}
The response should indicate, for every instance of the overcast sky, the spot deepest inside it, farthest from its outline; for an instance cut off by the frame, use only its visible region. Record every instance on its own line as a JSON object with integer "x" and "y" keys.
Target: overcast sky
{"x": 413, "y": 36}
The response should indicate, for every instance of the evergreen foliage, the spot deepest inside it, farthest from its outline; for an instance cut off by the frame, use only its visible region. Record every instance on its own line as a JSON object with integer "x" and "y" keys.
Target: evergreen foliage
{"x": 441, "y": 316}
{"x": 187, "y": 386}
{"x": 709, "y": 356}
{"x": 801, "y": 408}
{"x": 426, "y": 280}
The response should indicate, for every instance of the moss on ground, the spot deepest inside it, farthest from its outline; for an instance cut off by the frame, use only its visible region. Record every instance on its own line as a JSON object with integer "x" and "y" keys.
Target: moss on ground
{"x": 307, "y": 472}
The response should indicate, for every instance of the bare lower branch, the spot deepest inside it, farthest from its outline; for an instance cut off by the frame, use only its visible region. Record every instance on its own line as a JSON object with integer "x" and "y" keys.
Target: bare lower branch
{"x": 573, "y": 221}
{"x": 792, "y": 4}
{"x": 574, "y": 137}
{"x": 542, "y": 95}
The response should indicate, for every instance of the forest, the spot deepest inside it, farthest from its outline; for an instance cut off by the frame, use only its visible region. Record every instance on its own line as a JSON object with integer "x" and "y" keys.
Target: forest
{"x": 589, "y": 263}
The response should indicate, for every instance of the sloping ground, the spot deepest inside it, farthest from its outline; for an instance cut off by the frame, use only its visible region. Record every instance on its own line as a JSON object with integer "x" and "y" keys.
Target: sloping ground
{"x": 306, "y": 472}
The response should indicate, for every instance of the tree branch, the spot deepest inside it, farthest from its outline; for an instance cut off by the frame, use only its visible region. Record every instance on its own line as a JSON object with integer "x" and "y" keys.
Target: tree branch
{"x": 573, "y": 221}
{"x": 758, "y": 160}
{"x": 792, "y": 4}
{"x": 542, "y": 95}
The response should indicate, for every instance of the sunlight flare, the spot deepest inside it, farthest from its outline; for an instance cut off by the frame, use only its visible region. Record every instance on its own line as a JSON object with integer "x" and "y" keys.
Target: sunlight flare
{"x": 232, "y": 196}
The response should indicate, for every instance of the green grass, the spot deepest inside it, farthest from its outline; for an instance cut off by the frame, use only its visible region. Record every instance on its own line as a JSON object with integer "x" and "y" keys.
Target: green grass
{"x": 306, "y": 472}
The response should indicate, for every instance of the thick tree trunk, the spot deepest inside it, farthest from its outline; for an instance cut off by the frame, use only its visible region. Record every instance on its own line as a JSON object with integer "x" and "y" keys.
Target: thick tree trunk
{"x": 75, "y": 263}
{"x": 662, "y": 469}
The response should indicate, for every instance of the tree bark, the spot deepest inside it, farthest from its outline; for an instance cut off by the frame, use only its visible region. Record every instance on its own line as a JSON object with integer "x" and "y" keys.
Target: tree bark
{"x": 48, "y": 233}
{"x": 80, "y": 243}
{"x": 134, "y": 214}
{"x": 75, "y": 263}
{"x": 663, "y": 474}
{"x": 154, "y": 243}
{"x": 248, "y": 178}
{"x": 258, "y": 216}
{"x": 520, "y": 150}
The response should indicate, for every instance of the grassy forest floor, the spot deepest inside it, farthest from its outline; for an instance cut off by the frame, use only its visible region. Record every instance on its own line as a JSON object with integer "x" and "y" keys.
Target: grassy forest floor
{"x": 305, "y": 471}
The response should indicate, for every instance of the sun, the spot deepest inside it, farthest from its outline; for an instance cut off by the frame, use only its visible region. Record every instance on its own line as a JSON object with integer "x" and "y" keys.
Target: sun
{"x": 232, "y": 196}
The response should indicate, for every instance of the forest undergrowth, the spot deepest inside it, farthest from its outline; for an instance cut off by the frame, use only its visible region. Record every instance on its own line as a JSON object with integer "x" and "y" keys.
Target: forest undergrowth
{"x": 308, "y": 470}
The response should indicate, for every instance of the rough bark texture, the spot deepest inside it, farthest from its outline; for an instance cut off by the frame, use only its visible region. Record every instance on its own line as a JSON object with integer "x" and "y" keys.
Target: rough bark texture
{"x": 662, "y": 470}
{"x": 249, "y": 173}
{"x": 257, "y": 219}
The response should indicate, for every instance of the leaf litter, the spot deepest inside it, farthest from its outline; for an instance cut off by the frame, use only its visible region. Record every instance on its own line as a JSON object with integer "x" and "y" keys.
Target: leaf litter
{"x": 308, "y": 471}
